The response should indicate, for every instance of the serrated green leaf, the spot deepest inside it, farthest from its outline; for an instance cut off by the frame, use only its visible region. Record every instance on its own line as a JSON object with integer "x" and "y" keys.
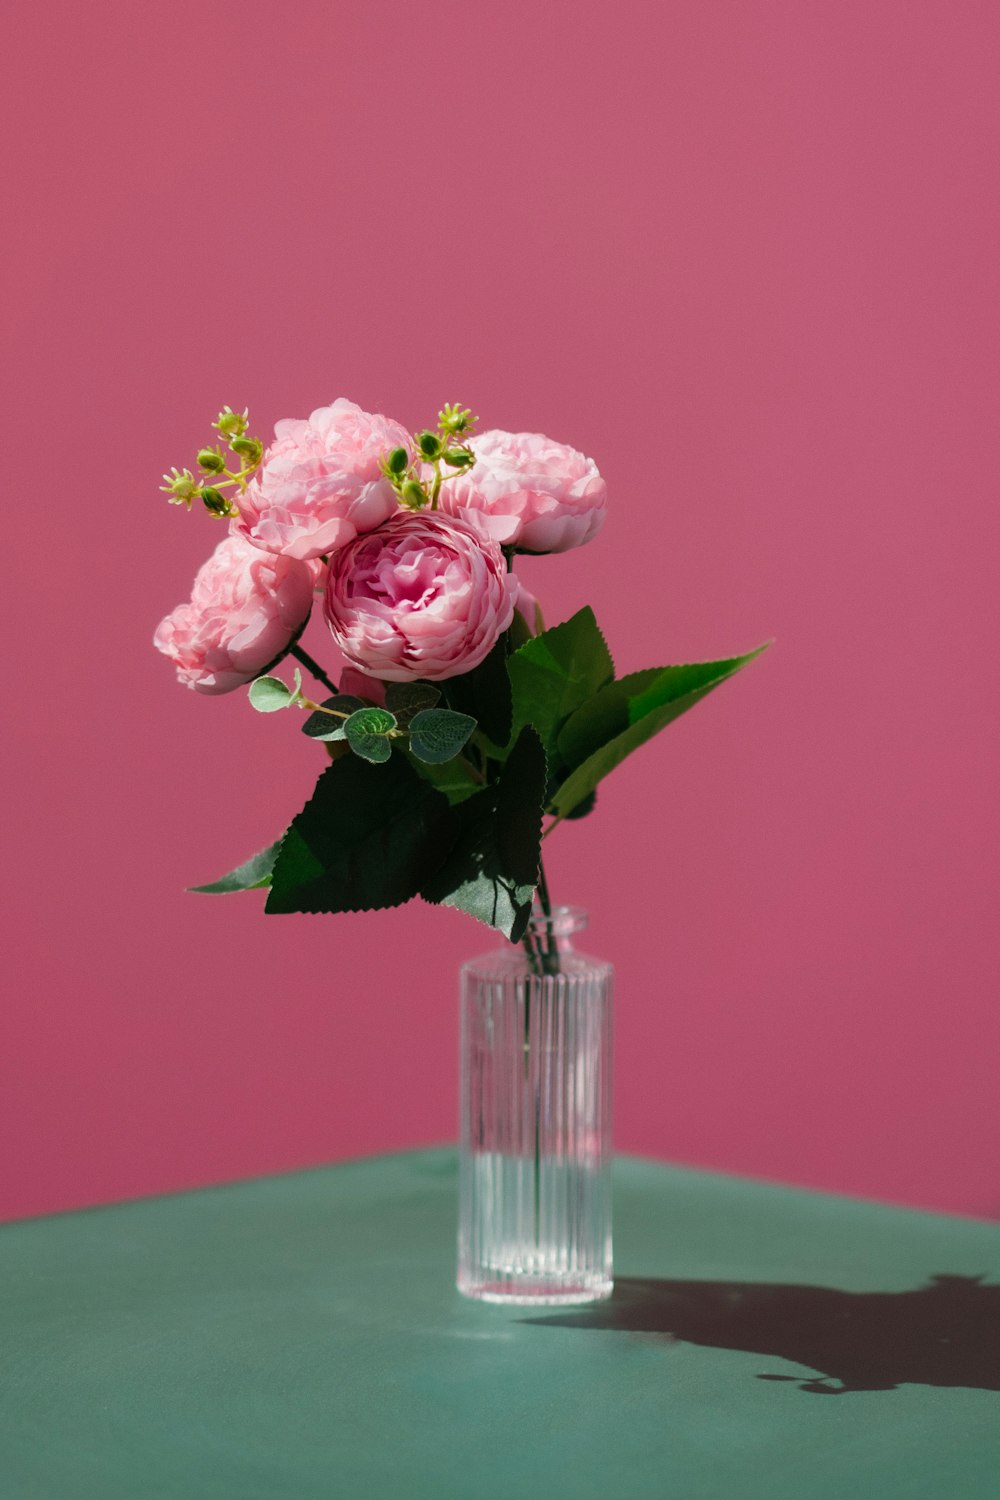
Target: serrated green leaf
{"x": 556, "y": 672}
{"x": 585, "y": 808}
{"x": 369, "y": 836}
{"x": 492, "y": 869}
{"x": 438, "y": 734}
{"x": 268, "y": 694}
{"x": 407, "y": 699}
{"x": 484, "y": 694}
{"x": 367, "y": 733}
{"x": 320, "y": 726}
{"x": 627, "y": 713}
{"x": 250, "y": 875}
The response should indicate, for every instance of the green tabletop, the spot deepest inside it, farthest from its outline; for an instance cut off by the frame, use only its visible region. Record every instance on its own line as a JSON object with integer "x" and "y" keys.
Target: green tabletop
{"x": 300, "y": 1336}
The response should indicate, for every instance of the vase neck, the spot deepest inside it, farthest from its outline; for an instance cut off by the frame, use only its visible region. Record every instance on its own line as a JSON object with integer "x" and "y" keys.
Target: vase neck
{"x": 559, "y": 929}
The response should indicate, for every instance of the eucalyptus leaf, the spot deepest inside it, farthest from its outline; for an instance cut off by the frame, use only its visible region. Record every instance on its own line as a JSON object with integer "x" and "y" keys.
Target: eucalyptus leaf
{"x": 330, "y": 726}
{"x": 627, "y": 713}
{"x": 370, "y": 836}
{"x": 438, "y": 734}
{"x": 492, "y": 869}
{"x": 407, "y": 699}
{"x": 268, "y": 694}
{"x": 367, "y": 732}
{"x": 250, "y": 875}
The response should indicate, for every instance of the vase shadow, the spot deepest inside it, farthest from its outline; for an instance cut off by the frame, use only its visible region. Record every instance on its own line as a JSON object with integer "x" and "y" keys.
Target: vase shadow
{"x": 946, "y": 1333}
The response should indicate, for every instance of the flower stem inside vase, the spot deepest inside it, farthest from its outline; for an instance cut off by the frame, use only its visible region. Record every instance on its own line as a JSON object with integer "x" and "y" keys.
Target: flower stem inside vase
{"x": 542, "y": 961}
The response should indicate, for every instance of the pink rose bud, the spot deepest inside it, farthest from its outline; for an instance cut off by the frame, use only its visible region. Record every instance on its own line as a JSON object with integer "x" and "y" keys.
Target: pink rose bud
{"x": 528, "y": 608}
{"x": 531, "y": 493}
{"x": 321, "y": 482}
{"x": 359, "y": 685}
{"x": 246, "y": 609}
{"x": 423, "y": 596}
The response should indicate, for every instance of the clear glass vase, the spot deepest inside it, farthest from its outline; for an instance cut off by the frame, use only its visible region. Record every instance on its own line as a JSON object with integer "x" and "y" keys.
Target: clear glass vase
{"x": 535, "y": 1178}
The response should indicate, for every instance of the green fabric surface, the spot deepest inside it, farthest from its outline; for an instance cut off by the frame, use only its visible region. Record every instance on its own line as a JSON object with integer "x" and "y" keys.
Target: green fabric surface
{"x": 300, "y": 1336}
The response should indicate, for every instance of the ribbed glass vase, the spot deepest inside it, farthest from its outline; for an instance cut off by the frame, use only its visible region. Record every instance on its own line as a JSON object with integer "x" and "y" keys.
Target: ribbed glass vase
{"x": 535, "y": 1179}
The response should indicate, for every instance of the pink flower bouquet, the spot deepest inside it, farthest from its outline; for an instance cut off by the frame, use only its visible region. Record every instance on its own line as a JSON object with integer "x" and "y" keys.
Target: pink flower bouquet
{"x": 462, "y": 731}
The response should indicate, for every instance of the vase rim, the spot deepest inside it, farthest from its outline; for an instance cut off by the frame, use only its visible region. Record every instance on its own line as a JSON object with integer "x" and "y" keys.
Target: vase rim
{"x": 565, "y": 920}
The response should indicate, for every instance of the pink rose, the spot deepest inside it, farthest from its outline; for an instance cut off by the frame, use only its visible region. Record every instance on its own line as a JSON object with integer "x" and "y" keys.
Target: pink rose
{"x": 246, "y": 609}
{"x": 534, "y": 494}
{"x": 424, "y": 596}
{"x": 320, "y": 483}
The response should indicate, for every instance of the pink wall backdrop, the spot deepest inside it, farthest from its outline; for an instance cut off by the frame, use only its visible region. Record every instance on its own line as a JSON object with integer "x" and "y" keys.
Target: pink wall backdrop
{"x": 746, "y": 255}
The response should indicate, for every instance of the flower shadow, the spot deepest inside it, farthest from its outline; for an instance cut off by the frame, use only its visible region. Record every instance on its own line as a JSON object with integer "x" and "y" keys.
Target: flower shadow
{"x": 945, "y": 1334}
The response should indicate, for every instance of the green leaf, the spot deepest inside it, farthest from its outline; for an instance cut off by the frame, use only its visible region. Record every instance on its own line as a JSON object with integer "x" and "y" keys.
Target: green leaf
{"x": 369, "y": 720}
{"x": 492, "y": 869}
{"x": 585, "y": 808}
{"x": 556, "y": 672}
{"x": 438, "y": 734}
{"x": 268, "y": 694}
{"x": 321, "y": 726}
{"x": 484, "y": 694}
{"x": 407, "y": 699}
{"x": 627, "y": 713}
{"x": 368, "y": 731}
{"x": 369, "y": 836}
{"x": 456, "y": 778}
{"x": 248, "y": 876}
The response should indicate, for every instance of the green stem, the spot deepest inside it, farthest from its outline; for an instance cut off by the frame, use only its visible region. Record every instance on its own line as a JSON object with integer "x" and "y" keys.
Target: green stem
{"x": 313, "y": 667}
{"x": 320, "y": 708}
{"x": 541, "y": 964}
{"x": 551, "y": 955}
{"x": 528, "y": 944}
{"x": 538, "y": 1168}
{"x": 536, "y": 1179}
{"x": 476, "y": 775}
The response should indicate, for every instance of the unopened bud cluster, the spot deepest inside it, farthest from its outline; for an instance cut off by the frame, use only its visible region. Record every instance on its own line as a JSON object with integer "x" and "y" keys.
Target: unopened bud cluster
{"x": 417, "y": 478}
{"x": 217, "y": 470}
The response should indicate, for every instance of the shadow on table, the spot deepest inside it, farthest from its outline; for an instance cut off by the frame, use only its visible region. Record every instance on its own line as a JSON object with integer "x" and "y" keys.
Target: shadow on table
{"x": 947, "y": 1333}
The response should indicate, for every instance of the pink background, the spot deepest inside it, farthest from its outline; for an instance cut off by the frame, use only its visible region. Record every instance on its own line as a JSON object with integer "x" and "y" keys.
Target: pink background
{"x": 744, "y": 254}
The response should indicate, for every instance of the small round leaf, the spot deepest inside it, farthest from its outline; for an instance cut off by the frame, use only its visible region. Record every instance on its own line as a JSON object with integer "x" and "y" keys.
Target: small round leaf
{"x": 368, "y": 731}
{"x": 438, "y": 734}
{"x": 320, "y": 726}
{"x": 268, "y": 694}
{"x": 407, "y": 699}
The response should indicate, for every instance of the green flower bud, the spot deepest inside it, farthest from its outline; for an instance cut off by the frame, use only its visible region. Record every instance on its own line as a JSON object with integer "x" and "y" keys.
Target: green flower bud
{"x": 231, "y": 423}
{"x": 459, "y": 458}
{"x": 212, "y": 461}
{"x": 398, "y": 461}
{"x": 248, "y": 448}
{"x": 181, "y": 487}
{"x": 454, "y": 419}
{"x": 413, "y": 494}
{"x": 215, "y": 502}
{"x": 429, "y": 444}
